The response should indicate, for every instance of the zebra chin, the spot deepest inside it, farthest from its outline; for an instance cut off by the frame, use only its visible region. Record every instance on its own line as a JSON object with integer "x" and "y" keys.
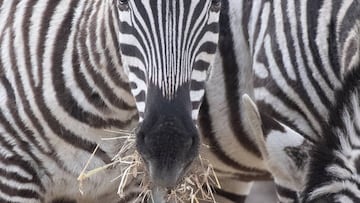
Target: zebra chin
{"x": 167, "y": 139}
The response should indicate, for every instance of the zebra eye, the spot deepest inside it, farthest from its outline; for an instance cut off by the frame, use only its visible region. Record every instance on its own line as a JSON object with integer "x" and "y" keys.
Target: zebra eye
{"x": 215, "y": 5}
{"x": 123, "y": 5}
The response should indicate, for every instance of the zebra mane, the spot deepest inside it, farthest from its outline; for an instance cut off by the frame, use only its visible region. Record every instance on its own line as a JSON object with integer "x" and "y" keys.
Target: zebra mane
{"x": 341, "y": 137}
{"x": 345, "y": 110}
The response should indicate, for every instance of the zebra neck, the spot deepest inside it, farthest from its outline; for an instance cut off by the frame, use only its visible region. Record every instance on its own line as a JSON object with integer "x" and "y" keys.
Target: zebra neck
{"x": 98, "y": 36}
{"x": 96, "y": 64}
{"x": 345, "y": 116}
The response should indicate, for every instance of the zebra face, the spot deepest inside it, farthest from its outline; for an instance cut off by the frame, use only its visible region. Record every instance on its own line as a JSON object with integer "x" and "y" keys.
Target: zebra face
{"x": 167, "y": 49}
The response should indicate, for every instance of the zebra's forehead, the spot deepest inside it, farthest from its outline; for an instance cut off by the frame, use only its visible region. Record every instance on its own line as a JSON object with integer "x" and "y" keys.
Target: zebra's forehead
{"x": 169, "y": 43}
{"x": 159, "y": 6}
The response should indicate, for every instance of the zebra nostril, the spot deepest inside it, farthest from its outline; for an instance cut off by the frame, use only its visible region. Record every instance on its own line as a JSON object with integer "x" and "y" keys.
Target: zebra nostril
{"x": 188, "y": 144}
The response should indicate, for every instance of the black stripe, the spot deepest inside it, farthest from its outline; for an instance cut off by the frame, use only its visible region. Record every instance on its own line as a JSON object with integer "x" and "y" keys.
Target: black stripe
{"x": 206, "y": 128}
{"x": 24, "y": 193}
{"x": 339, "y": 35}
{"x": 63, "y": 200}
{"x": 91, "y": 25}
{"x": 45, "y": 24}
{"x": 246, "y": 9}
{"x": 230, "y": 196}
{"x": 138, "y": 72}
{"x": 351, "y": 195}
{"x": 195, "y": 85}
{"x": 201, "y": 65}
{"x": 258, "y": 22}
{"x": 207, "y": 47}
{"x": 231, "y": 71}
{"x": 113, "y": 24}
{"x": 313, "y": 12}
{"x": 10, "y": 18}
{"x": 287, "y": 193}
{"x": 245, "y": 177}
{"x": 140, "y": 96}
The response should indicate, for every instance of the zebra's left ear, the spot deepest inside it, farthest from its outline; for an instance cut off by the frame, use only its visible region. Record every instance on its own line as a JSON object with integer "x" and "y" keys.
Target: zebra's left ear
{"x": 285, "y": 151}
{"x": 254, "y": 123}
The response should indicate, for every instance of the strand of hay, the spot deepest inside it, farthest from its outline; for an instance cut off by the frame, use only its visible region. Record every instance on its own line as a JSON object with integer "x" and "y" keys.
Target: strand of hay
{"x": 194, "y": 188}
{"x": 198, "y": 185}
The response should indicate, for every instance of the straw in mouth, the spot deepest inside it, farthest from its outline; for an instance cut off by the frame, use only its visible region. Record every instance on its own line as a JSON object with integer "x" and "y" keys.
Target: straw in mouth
{"x": 195, "y": 187}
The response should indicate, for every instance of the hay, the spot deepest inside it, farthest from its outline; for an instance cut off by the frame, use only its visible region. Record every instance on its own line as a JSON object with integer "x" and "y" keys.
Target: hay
{"x": 194, "y": 188}
{"x": 198, "y": 185}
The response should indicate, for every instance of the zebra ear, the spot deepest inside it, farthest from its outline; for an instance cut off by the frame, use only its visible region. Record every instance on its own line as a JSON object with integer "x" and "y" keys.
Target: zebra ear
{"x": 253, "y": 122}
{"x": 285, "y": 151}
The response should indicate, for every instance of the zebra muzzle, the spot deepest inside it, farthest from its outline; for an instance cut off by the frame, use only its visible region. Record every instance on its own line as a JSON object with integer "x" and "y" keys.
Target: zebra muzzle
{"x": 168, "y": 150}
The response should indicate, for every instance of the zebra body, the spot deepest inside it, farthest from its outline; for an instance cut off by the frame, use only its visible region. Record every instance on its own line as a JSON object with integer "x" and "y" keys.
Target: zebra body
{"x": 59, "y": 91}
{"x": 70, "y": 69}
{"x": 292, "y": 57}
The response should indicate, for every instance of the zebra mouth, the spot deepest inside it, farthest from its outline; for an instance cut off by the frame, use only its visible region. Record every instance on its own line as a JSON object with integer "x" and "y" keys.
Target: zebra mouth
{"x": 159, "y": 195}
{"x": 186, "y": 169}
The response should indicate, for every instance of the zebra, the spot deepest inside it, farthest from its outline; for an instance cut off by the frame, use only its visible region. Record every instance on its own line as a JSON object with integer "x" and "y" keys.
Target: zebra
{"x": 299, "y": 61}
{"x": 70, "y": 69}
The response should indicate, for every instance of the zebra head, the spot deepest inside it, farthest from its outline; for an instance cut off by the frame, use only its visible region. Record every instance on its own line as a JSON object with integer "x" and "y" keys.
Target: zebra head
{"x": 323, "y": 171}
{"x": 167, "y": 49}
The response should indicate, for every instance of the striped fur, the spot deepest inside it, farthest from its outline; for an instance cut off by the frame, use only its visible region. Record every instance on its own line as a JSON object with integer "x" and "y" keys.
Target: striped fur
{"x": 171, "y": 45}
{"x": 60, "y": 88}
{"x": 291, "y": 57}
{"x": 63, "y": 82}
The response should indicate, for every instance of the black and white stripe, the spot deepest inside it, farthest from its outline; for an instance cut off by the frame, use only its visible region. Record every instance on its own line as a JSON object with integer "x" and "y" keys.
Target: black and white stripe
{"x": 60, "y": 87}
{"x": 292, "y": 57}
{"x": 62, "y": 82}
{"x": 169, "y": 44}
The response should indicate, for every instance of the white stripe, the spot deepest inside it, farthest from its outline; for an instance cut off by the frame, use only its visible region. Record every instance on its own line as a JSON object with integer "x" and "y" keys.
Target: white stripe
{"x": 335, "y": 187}
{"x": 310, "y": 90}
{"x": 196, "y": 95}
{"x": 322, "y": 35}
{"x": 16, "y": 169}
{"x": 281, "y": 39}
{"x": 17, "y": 198}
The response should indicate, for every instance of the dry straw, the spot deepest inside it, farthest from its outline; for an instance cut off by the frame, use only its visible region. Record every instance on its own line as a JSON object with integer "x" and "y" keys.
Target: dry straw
{"x": 196, "y": 187}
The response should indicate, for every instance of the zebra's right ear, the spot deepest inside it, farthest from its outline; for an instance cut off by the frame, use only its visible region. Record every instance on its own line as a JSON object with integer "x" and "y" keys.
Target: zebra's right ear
{"x": 285, "y": 151}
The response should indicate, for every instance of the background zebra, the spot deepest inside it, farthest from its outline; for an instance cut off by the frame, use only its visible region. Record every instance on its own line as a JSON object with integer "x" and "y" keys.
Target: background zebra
{"x": 63, "y": 81}
{"x": 302, "y": 54}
